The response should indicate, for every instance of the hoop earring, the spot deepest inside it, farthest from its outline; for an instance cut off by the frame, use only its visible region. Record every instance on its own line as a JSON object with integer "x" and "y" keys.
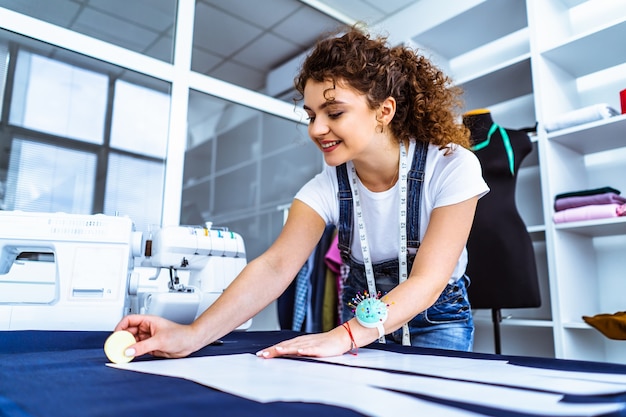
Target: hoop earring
{"x": 381, "y": 127}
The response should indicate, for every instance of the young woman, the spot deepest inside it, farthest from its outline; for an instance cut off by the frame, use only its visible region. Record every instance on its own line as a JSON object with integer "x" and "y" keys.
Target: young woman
{"x": 399, "y": 177}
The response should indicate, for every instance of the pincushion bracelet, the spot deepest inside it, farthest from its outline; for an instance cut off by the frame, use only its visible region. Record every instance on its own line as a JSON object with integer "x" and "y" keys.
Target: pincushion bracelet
{"x": 371, "y": 312}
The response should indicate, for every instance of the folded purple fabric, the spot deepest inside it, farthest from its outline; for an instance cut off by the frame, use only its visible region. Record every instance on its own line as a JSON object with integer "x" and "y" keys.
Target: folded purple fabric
{"x": 598, "y": 211}
{"x": 588, "y": 200}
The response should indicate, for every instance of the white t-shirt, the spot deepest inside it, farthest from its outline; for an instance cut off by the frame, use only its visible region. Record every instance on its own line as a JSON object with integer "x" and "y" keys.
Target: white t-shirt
{"x": 448, "y": 179}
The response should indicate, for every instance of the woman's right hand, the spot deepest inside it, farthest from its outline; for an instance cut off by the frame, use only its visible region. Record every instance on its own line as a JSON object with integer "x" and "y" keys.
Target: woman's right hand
{"x": 158, "y": 336}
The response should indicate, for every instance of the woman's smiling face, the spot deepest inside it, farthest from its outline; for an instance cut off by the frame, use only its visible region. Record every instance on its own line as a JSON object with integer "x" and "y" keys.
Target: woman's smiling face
{"x": 340, "y": 121}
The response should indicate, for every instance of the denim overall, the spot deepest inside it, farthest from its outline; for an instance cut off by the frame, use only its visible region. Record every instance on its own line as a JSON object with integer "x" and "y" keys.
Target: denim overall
{"x": 448, "y": 323}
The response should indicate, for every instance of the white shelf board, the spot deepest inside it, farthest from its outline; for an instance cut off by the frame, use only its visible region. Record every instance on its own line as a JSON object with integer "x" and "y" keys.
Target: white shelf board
{"x": 537, "y": 233}
{"x": 496, "y": 86}
{"x": 486, "y": 22}
{"x": 598, "y": 136}
{"x": 596, "y": 228}
{"x": 579, "y": 325}
{"x": 591, "y": 52}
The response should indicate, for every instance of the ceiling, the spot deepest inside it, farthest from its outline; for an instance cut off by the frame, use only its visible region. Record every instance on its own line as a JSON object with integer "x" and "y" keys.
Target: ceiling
{"x": 258, "y": 44}
{"x": 256, "y": 37}
{"x": 239, "y": 41}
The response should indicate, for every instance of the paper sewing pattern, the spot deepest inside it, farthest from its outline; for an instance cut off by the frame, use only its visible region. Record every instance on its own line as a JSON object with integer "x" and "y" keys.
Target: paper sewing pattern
{"x": 376, "y": 392}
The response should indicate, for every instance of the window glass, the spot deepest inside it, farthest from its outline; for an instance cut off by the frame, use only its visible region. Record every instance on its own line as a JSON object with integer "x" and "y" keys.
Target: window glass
{"x": 134, "y": 188}
{"x": 69, "y": 157}
{"x": 140, "y": 119}
{"x": 49, "y": 178}
{"x": 4, "y": 63}
{"x": 58, "y": 98}
{"x": 144, "y": 26}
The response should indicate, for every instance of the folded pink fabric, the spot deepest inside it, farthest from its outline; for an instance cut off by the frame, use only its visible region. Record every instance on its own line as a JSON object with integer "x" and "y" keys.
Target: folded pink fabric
{"x": 333, "y": 256}
{"x": 588, "y": 200}
{"x": 597, "y": 211}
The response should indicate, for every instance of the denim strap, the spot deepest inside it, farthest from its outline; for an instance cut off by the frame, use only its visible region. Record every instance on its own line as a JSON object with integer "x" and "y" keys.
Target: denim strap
{"x": 344, "y": 228}
{"x": 415, "y": 185}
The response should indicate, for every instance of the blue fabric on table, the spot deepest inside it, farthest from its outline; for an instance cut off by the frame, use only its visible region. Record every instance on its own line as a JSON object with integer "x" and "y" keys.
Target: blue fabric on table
{"x": 63, "y": 373}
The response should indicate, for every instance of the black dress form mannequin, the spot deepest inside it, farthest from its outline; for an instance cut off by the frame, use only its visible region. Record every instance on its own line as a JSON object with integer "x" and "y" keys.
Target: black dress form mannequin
{"x": 501, "y": 263}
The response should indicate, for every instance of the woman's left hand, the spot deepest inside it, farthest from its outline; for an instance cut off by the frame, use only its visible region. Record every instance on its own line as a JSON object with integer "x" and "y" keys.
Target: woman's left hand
{"x": 331, "y": 343}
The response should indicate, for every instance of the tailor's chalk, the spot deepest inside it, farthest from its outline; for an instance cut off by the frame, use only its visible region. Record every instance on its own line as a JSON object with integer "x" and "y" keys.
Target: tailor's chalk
{"x": 116, "y": 344}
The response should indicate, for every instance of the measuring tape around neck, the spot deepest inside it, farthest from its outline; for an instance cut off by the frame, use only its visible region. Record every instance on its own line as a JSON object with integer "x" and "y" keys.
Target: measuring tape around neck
{"x": 402, "y": 258}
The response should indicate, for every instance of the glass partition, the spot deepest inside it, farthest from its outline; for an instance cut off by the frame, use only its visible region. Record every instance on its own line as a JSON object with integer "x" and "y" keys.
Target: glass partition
{"x": 241, "y": 167}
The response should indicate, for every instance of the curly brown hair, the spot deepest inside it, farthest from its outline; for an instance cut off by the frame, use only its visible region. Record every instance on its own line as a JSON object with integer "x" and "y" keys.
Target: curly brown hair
{"x": 427, "y": 103}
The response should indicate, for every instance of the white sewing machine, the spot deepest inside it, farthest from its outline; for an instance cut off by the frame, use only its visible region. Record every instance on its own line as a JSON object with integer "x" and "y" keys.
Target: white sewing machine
{"x": 193, "y": 267}
{"x": 64, "y": 271}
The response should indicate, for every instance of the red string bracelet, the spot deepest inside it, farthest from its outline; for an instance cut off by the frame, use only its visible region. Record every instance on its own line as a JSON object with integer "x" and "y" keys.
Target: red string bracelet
{"x": 353, "y": 347}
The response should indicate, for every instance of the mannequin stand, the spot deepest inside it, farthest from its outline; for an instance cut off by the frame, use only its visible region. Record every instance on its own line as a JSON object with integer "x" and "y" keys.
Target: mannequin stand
{"x": 496, "y": 318}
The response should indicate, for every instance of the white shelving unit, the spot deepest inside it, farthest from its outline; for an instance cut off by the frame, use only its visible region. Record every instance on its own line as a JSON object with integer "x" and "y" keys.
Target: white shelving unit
{"x": 532, "y": 61}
